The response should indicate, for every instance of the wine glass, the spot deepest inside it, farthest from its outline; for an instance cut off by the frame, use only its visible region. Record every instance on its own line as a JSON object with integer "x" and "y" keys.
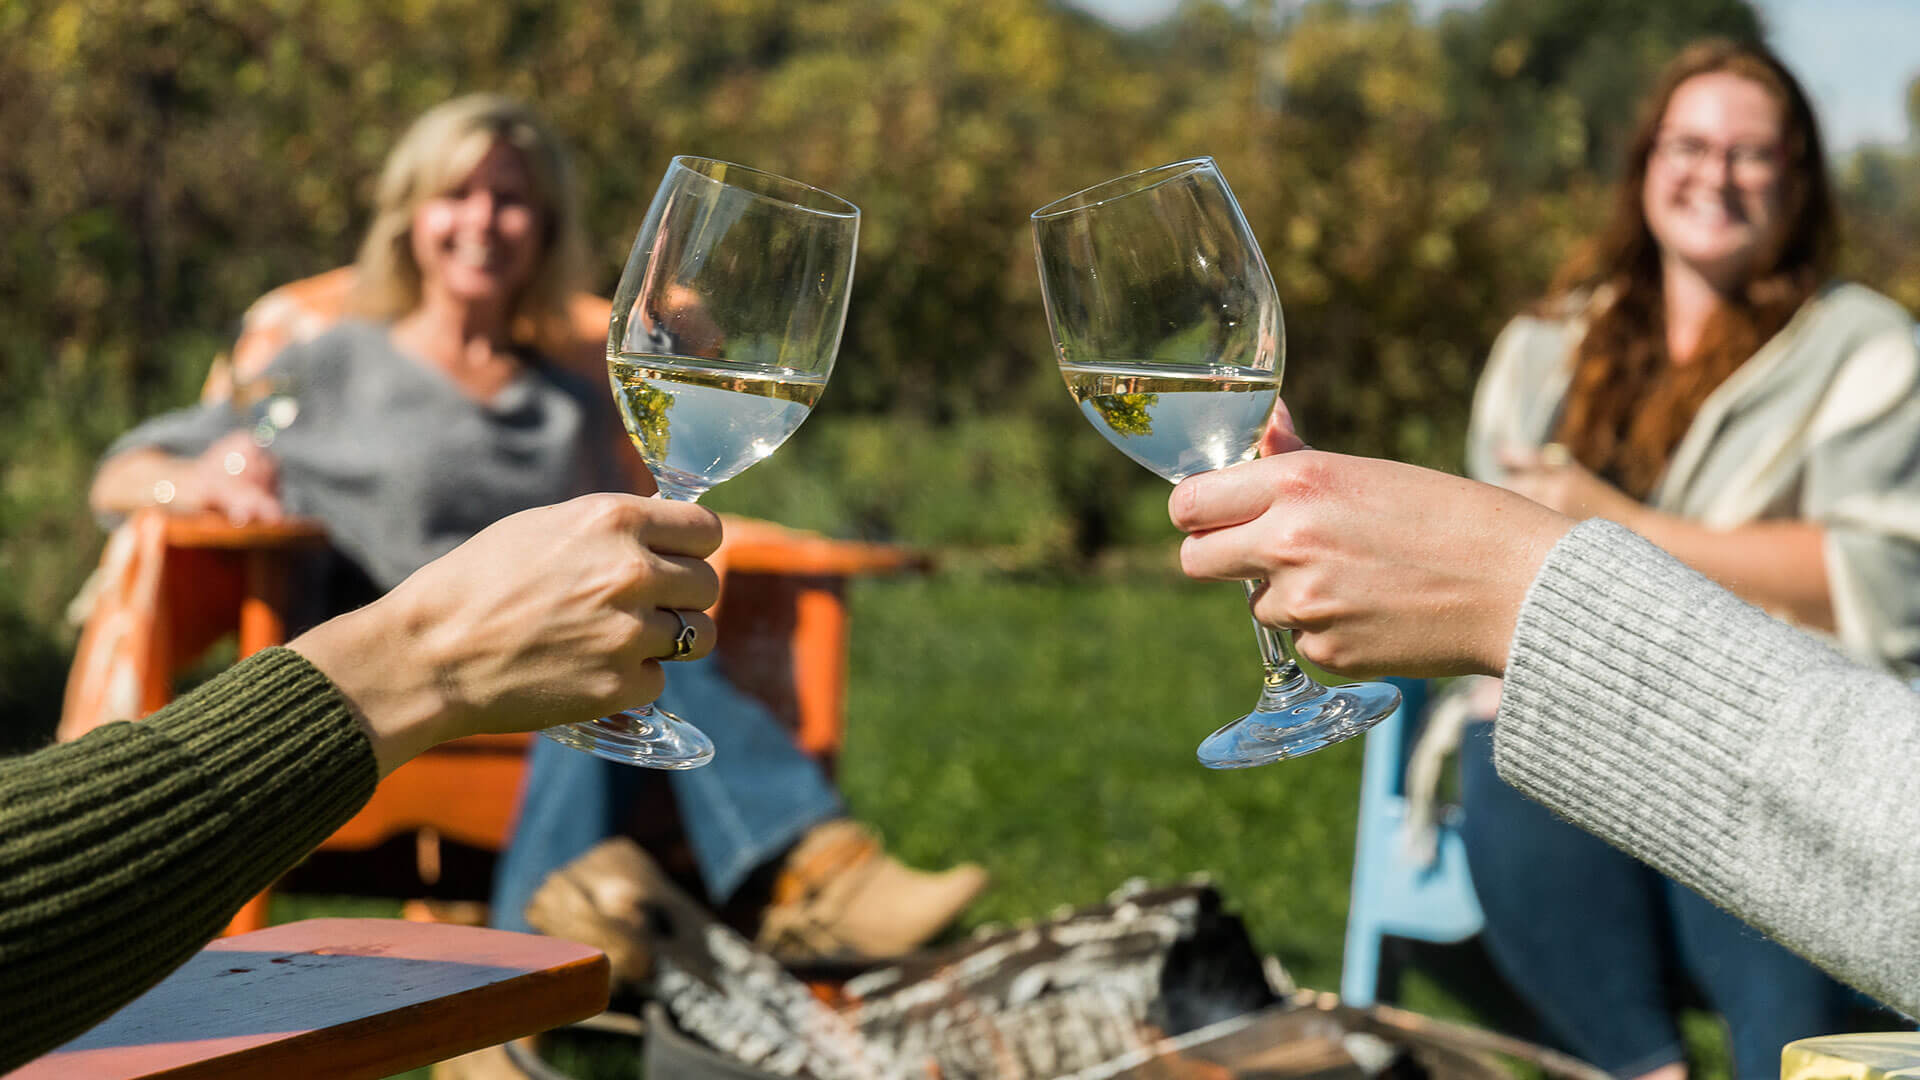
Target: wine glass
{"x": 265, "y": 403}
{"x": 723, "y": 333}
{"x": 1167, "y": 328}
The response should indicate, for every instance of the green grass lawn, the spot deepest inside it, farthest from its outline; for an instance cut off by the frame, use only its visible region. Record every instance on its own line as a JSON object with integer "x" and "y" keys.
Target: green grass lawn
{"x": 1047, "y": 730}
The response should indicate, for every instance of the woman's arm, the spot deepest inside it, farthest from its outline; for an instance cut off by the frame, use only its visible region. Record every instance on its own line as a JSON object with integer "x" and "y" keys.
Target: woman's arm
{"x": 1780, "y": 566}
{"x": 127, "y": 849}
{"x": 1745, "y": 759}
{"x": 1751, "y": 761}
{"x": 545, "y": 617}
{"x": 232, "y": 476}
{"x": 1777, "y": 565}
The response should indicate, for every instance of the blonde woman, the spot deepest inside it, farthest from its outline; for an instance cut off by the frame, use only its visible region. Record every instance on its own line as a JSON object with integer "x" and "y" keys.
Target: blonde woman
{"x": 436, "y": 412}
{"x": 461, "y": 285}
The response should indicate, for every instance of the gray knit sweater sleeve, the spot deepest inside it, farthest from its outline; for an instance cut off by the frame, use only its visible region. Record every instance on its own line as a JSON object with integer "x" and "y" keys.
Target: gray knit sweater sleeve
{"x": 1744, "y": 758}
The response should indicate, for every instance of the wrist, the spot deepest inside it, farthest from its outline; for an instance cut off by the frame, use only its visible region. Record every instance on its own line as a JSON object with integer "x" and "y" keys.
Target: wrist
{"x": 1516, "y": 575}
{"x": 185, "y": 492}
{"x": 372, "y": 657}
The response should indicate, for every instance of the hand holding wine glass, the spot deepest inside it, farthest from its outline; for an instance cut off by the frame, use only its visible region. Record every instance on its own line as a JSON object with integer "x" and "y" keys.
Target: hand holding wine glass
{"x": 1167, "y": 329}
{"x": 723, "y": 333}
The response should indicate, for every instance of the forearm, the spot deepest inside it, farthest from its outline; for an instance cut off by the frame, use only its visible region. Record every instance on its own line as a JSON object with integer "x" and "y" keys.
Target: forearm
{"x": 141, "y": 478}
{"x": 127, "y": 850}
{"x": 1745, "y": 759}
{"x": 1780, "y": 566}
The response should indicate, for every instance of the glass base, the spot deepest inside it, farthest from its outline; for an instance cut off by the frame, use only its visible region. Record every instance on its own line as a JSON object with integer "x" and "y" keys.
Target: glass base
{"x": 1295, "y": 718}
{"x": 648, "y": 737}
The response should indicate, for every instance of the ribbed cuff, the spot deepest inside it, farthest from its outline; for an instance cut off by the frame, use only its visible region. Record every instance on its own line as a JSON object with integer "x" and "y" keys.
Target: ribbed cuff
{"x": 287, "y": 751}
{"x": 1628, "y": 708}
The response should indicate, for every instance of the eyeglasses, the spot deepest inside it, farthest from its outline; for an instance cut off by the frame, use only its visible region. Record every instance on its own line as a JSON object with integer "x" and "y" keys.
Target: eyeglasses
{"x": 1748, "y": 164}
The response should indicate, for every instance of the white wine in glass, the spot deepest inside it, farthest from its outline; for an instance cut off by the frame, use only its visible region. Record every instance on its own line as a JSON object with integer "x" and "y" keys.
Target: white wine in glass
{"x": 1172, "y": 420}
{"x": 1167, "y": 329}
{"x": 696, "y": 423}
{"x": 724, "y": 330}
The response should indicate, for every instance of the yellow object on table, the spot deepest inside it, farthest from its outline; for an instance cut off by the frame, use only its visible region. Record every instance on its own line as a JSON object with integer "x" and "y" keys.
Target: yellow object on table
{"x": 1880, "y": 1055}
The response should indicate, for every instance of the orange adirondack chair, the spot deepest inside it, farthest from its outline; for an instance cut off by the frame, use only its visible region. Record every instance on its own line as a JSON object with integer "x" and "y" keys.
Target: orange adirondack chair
{"x": 172, "y": 584}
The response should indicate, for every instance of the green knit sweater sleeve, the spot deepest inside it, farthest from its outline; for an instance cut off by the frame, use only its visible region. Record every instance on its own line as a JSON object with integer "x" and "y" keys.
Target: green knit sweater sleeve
{"x": 123, "y": 852}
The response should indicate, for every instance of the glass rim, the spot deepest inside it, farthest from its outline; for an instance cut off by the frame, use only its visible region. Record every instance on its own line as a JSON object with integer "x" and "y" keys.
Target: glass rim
{"x": 1120, "y": 187}
{"x": 771, "y": 186}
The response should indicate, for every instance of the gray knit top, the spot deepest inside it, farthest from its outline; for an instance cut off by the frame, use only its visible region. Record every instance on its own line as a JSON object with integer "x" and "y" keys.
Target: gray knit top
{"x": 1746, "y": 759}
{"x": 398, "y": 461}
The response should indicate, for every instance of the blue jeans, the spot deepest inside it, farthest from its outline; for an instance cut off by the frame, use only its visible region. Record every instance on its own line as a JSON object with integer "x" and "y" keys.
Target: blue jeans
{"x": 746, "y": 807}
{"x": 1596, "y": 941}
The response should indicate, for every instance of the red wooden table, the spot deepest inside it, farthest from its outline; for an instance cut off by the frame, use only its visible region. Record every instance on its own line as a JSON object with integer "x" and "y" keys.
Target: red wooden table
{"x": 338, "y": 998}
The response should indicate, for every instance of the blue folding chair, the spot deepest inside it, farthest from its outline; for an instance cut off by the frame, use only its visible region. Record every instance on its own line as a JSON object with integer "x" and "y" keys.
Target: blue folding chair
{"x": 1393, "y": 895}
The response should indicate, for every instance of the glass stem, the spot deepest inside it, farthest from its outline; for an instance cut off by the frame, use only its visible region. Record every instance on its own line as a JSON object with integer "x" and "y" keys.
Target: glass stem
{"x": 678, "y": 493}
{"x": 1276, "y": 651}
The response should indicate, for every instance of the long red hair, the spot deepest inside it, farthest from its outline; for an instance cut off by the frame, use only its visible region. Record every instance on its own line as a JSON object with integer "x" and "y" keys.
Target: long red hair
{"x": 1628, "y": 406}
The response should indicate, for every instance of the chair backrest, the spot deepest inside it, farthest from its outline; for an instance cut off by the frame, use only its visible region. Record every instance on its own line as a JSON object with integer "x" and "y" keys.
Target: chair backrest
{"x": 1390, "y": 743}
{"x": 1396, "y": 892}
{"x": 304, "y": 309}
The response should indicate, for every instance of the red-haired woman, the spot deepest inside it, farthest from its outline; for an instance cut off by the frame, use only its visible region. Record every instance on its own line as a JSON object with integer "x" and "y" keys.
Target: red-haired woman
{"x": 1697, "y": 376}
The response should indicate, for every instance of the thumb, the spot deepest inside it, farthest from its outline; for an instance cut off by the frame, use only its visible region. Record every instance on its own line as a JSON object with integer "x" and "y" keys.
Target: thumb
{"x": 1279, "y": 437}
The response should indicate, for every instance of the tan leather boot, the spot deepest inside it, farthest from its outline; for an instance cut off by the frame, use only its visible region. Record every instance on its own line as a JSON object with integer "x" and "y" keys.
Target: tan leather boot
{"x": 600, "y": 899}
{"x": 839, "y": 895}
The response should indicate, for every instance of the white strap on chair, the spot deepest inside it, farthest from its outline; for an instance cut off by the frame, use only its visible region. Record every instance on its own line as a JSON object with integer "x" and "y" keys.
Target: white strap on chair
{"x": 1466, "y": 700}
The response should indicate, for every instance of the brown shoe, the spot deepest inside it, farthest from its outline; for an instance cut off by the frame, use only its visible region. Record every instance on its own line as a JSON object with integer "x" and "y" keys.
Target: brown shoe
{"x": 840, "y": 896}
{"x": 601, "y": 899}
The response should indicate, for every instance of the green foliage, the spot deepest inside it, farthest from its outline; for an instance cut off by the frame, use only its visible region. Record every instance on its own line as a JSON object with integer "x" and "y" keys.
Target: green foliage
{"x": 1413, "y": 185}
{"x": 1881, "y": 186}
{"x": 1126, "y": 414}
{"x": 645, "y": 408}
{"x": 1564, "y": 76}
{"x": 32, "y": 670}
{"x": 978, "y": 482}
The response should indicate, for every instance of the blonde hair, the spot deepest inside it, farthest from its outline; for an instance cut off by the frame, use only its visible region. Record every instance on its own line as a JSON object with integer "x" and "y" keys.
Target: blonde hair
{"x": 441, "y": 147}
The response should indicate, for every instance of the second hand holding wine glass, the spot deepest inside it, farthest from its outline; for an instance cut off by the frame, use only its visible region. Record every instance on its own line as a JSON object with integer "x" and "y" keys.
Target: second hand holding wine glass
{"x": 724, "y": 330}
{"x": 1167, "y": 328}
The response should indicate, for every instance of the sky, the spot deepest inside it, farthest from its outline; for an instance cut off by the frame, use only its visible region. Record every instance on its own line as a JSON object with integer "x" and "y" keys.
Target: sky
{"x": 1855, "y": 57}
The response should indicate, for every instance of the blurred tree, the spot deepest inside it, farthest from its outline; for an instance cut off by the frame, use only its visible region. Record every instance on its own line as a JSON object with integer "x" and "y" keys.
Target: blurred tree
{"x": 1556, "y": 80}
{"x": 1413, "y": 184}
{"x": 1881, "y": 185}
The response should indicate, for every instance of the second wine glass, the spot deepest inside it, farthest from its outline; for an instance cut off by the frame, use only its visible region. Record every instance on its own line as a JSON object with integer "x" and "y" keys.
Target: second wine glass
{"x": 724, "y": 330}
{"x": 1167, "y": 328}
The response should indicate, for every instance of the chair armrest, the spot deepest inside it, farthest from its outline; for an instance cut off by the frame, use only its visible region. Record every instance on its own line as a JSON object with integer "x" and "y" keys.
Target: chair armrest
{"x": 211, "y": 531}
{"x": 343, "y": 997}
{"x": 753, "y": 546}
